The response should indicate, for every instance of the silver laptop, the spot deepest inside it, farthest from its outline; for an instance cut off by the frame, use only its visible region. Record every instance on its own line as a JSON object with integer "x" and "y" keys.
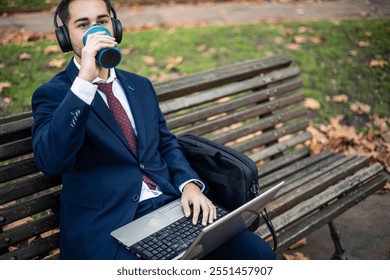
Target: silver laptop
{"x": 152, "y": 236}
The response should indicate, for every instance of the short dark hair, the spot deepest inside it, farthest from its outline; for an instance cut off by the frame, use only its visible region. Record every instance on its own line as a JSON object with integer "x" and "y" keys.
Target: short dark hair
{"x": 63, "y": 10}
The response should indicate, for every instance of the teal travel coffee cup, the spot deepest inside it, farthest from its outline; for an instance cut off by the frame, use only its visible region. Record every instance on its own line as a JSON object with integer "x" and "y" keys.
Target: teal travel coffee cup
{"x": 108, "y": 57}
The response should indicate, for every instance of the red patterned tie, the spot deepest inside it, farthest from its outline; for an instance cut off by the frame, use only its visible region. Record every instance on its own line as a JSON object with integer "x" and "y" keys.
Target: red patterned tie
{"x": 124, "y": 122}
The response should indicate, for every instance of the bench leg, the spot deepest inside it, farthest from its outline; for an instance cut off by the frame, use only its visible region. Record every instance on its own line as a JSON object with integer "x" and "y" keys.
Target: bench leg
{"x": 339, "y": 253}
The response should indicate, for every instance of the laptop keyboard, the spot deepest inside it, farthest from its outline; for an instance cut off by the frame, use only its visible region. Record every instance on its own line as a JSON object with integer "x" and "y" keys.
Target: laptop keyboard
{"x": 169, "y": 242}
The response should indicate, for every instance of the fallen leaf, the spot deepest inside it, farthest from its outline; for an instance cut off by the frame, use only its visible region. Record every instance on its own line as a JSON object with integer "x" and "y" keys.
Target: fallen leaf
{"x": 344, "y": 139}
{"x": 287, "y": 31}
{"x": 353, "y": 53}
{"x": 149, "y": 60}
{"x": 4, "y": 85}
{"x": 295, "y": 256}
{"x": 52, "y": 49}
{"x": 317, "y": 39}
{"x": 377, "y": 63}
{"x": 386, "y": 136}
{"x": 368, "y": 33}
{"x": 311, "y": 104}
{"x": 173, "y": 62}
{"x": 56, "y": 63}
{"x": 305, "y": 29}
{"x": 339, "y": 98}
{"x": 293, "y": 47}
{"x": 201, "y": 48}
{"x": 300, "y": 39}
{"x": 25, "y": 56}
{"x": 7, "y": 100}
{"x": 279, "y": 40}
{"x": 18, "y": 36}
{"x": 363, "y": 44}
{"x": 360, "y": 108}
{"x": 299, "y": 244}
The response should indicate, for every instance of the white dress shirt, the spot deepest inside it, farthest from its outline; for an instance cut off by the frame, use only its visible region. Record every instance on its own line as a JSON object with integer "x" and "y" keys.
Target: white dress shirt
{"x": 86, "y": 91}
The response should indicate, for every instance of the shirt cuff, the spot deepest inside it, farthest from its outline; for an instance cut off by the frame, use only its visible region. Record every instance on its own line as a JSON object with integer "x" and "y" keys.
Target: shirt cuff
{"x": 197, "y": 182}
{"x": 84, "y": 90}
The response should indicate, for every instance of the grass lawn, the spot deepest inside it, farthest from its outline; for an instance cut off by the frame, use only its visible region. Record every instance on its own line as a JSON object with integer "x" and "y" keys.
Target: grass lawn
{"x": 346, "y": 57}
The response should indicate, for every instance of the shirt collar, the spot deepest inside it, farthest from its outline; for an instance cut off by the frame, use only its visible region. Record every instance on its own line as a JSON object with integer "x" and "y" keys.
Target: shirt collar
{"x": 110, "y": 79}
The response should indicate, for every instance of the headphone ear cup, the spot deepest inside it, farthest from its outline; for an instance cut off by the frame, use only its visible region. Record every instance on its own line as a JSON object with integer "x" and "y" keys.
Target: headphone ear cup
{"x": 117, "y": 28}
{"x": 63, "y": 38}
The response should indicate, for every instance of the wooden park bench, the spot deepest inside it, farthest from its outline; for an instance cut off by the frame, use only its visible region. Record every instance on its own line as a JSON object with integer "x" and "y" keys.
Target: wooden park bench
{"x": 254, "y": 107}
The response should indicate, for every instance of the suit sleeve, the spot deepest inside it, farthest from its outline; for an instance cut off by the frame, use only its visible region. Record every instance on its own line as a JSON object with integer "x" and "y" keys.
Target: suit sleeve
{"x": 59, "y": 128}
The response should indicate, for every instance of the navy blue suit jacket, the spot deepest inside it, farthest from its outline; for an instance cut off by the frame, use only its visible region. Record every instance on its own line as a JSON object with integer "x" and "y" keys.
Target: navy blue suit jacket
{"x": 101, "y": 176}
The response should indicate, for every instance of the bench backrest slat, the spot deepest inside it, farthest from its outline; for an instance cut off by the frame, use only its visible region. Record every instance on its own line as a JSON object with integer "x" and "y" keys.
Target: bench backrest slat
{"x": 27, "y": 208}
{"x": 26, "y": 186}
{"x": 220, "y": 76}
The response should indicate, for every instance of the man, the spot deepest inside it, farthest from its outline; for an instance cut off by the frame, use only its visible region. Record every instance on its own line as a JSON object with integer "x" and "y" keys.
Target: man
{"x": 107, "y": 182}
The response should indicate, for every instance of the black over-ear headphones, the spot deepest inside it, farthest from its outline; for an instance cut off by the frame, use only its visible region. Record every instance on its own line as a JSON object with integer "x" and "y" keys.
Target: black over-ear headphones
{"x": 63, "y": 37}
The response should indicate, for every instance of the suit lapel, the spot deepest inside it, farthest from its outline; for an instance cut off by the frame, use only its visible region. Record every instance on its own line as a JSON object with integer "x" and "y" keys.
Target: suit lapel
{"x": 133, "y": 96}
{"x": 101, "y": 109}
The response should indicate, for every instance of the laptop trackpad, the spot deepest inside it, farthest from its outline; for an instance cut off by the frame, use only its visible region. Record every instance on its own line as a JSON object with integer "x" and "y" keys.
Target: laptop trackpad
{"x": 174, "y": 211}
{"x": 148, "y": 224}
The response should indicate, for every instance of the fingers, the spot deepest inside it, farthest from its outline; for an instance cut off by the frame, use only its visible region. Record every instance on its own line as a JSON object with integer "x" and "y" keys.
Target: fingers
{"x": 201, "y": 205}
{"x": 186, "y": 207}
{"x": 212, "y": 212}
{"x": 193, "y": 198}
{"x": 100, "y": 40}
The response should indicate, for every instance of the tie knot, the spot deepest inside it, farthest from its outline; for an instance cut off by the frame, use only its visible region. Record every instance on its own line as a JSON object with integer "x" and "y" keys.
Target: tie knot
{"x": 105, "y": 87}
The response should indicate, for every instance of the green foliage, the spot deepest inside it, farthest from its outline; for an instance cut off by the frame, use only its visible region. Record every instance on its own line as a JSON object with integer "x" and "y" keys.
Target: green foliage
{"x": 334, "y": 58}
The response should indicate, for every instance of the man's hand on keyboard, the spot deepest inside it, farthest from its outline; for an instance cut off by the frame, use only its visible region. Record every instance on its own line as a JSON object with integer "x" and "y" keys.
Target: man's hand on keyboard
{"x": 193, "y": 196}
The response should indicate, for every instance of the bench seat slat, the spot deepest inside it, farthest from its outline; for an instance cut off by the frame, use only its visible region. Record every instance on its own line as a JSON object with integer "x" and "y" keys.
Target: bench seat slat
{"x": 291, "y": 169}
{"x": 329, "y": 170}
{"x": 322, "y": 199}
{"x": 311, "y": 185}
{"x": 301, "y": 174}
{"x": 327, "y": 214}
{"x": 282, "y": 161}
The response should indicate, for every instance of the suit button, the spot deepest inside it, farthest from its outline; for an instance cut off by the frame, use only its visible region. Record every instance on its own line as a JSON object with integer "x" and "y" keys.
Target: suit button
{"x": 135, "y": 197}
{"x": 142, "y": 166}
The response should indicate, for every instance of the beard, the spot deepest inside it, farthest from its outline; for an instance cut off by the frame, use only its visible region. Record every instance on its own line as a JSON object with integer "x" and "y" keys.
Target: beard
{"x": 76, "y": 50}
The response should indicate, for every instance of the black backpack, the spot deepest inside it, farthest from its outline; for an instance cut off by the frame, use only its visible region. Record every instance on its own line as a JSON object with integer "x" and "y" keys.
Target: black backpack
{"x": 230, "y": 175}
